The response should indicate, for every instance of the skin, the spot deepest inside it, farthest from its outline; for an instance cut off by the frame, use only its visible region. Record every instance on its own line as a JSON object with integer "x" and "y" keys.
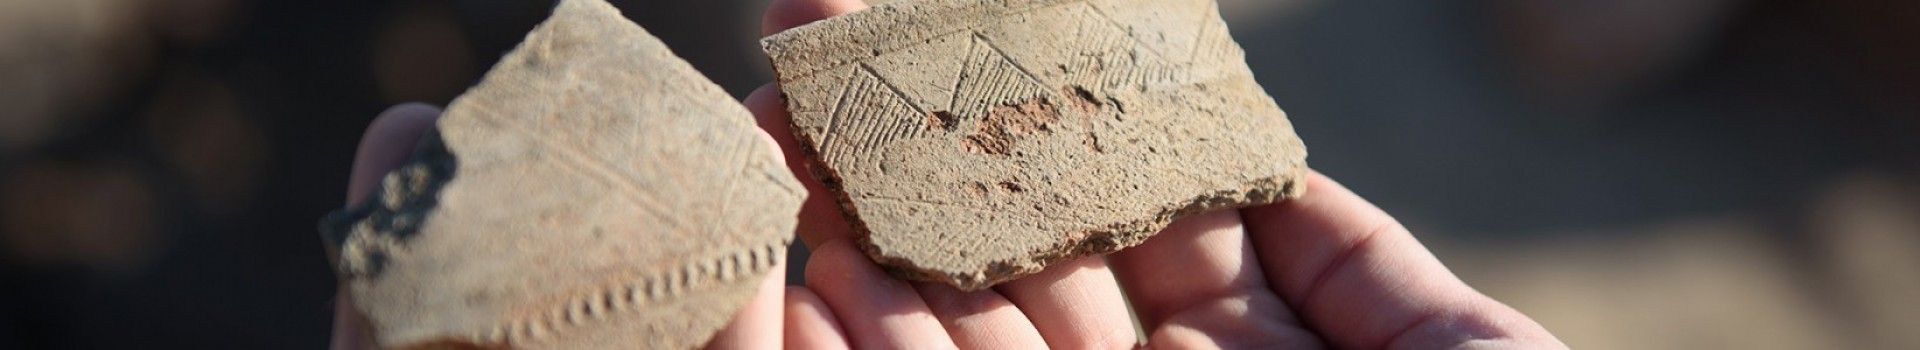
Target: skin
{"x": 1326, "y": 270}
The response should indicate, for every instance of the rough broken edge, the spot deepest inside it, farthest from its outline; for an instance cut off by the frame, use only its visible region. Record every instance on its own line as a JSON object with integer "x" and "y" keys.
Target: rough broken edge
{"x": 429, "y": 169}
{"x": 1112, "y": 239}
{"x": 945, "y": 18}
{"x": 931, "y": 19}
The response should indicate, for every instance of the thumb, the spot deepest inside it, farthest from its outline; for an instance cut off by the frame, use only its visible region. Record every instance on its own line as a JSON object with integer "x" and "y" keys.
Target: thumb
{"x": 385, "y": 146}
{"x": 1361, "y": 280}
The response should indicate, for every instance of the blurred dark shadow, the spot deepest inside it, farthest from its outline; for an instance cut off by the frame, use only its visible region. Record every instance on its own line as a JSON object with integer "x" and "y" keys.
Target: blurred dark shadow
{"x": 1635, "y": 174}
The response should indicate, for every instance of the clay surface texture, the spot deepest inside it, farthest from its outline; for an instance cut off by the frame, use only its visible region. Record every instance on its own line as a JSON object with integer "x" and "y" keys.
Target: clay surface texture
{"x": 594, "y": 191}
{"x": 974, "y": 142}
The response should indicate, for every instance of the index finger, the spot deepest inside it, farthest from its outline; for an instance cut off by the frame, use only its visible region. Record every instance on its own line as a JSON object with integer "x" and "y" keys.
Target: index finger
{"x": 1361, "y": 280}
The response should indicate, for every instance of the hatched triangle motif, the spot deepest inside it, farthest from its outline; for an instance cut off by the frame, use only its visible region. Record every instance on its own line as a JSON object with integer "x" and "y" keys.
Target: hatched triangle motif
{"x": 990, "y": 78}
{"x": 1175, "y": 32}
{"x": 869, "y": 115}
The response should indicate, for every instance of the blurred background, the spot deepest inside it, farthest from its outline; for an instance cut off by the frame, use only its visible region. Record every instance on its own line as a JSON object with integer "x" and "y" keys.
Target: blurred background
{"x": 1632, "y": 173}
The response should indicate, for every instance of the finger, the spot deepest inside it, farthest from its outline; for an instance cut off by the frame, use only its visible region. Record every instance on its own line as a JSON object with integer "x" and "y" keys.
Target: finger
{"x": 1363, "y": 281}
{"x": 1075, "y": 305}
{"x": 786, "y": 14}
{"x": 386, "y": 145}
{"x": 810, "y": 324}
{"x": 757, "y": 325}
{"x": 820, "y": 217}
{"x": 980, "y": 319}
{"x": 1193, "y": 266}
{"x": 879, "y": 312}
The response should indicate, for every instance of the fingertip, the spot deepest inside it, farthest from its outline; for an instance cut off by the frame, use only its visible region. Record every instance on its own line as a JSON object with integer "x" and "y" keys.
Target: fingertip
{"x": 787, "y": 14}
{"x": 980, "y": 319}
{"x": 769, "y": 109}
{"x": 877, "y": 310}
{"x": 1298, "y": 238}
{"x": 387, "y": 143}
{"x": 1481, "y": 324}
{"x": 762, "y": 103}
{"x": 1363, "y": 280}
{"x": 1194, "y": 260}
{"x": 1318, "y": 190}
{"x": 406, "y": 120}
{"x": 405, "y": 114}
{"x": 1316, "y": 180}
{"x": 1075, "y": 304}
{"x": 832, "y": 264}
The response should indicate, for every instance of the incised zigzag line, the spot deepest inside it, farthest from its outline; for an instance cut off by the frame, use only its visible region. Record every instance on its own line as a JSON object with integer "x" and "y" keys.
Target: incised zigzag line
{"x": 928, "y": 38}
{"x": 980, "y": 38}
{"x": 733, "y": 177}
{"x": 577, "y": 161}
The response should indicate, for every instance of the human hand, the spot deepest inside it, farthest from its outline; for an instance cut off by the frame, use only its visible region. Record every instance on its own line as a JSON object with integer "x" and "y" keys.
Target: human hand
{"x": 1327, "y": 270}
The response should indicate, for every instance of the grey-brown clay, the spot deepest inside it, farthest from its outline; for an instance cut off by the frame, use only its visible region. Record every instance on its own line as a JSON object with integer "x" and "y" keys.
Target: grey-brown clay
{"x": 974, "y": 142}
{"x": 594, "y": 191}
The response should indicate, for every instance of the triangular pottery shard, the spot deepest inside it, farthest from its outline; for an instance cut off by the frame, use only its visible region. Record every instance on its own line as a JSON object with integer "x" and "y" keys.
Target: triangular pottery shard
{"x": 594, "y": 191}
{"x": 974, "y": 142}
